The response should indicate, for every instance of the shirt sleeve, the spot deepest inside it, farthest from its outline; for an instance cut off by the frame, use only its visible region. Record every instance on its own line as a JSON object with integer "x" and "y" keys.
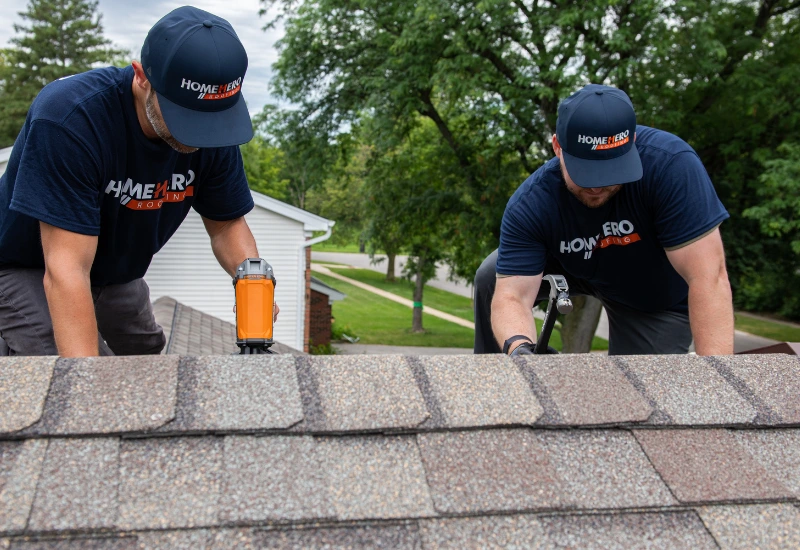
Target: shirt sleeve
{"x": 687, "y": 205}
{"x": 521, "y": 251}
{"x": 223, "y": 194}
{"x": 58, "y": 180}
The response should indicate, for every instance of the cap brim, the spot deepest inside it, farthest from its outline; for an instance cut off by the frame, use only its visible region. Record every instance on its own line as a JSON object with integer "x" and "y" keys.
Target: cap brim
{"x": 207, "y": 129}
{"x": 602, "y": 173}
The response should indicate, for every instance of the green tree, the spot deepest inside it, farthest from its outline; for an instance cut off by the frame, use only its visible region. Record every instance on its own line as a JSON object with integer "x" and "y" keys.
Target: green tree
{"x": 410, "y": 196}
{"x": 309, "y": 150}
{"x": 263, "y": 166}
{"x": 59, "y": 38}
{"x": 490, "y": 74}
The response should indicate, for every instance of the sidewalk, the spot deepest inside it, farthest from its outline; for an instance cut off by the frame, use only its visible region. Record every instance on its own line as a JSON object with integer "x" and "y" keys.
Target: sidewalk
{"x": 393, "y": 297}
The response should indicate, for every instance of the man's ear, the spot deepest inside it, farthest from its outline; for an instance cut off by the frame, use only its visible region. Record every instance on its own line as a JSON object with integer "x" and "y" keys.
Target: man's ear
{"x": 556, "y": 146}
{"x": 139, "y": 78}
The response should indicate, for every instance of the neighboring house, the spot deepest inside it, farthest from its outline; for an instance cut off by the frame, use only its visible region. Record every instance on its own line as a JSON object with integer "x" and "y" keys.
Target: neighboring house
{"x": 322, "y": 298}
{"x": 186, "y": 270}
{"x": 360, "y": 451}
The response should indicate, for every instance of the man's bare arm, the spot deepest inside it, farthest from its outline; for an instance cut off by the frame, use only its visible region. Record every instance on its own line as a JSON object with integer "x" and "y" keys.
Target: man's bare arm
{"x": 232, "y": 242}
{"x": 68, "y": 259}
{"x": 513, "y": 301}
{"x": 702, "y": 265}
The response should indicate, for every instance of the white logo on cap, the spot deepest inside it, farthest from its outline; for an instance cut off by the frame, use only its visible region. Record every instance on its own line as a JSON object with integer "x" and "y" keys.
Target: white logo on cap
{"x": 213, "y": 91}
{"x": 605, "y": 142}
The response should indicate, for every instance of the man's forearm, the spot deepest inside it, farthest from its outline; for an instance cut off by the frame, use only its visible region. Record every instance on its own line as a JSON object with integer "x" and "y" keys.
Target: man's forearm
{"x": 711, "y": 316}
{"x": 509, "y": 318}
{"x": 232, "y": 244}
{"x": 69, "y": 298}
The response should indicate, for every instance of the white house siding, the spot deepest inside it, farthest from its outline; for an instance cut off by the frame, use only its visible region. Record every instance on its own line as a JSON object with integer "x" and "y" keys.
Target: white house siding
{"x": 186, "y": 270}
{"x": 5, "y": 154}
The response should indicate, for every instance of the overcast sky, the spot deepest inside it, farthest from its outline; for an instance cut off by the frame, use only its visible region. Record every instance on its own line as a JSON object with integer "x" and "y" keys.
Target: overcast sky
{"x": 126, "y": 23}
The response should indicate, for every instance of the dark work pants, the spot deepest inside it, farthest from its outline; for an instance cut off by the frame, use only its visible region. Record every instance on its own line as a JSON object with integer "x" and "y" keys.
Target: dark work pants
{"x": 124, "y": 314}
{"x": 631, "y": 332}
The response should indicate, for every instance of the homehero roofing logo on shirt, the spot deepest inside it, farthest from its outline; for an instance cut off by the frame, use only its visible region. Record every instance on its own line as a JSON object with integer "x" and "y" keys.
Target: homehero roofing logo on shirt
{"x": 213, "y": 91}
{"x": 605, "y": 142}
{"x": 152, "y": 196}
{"x": 614, "y": 234}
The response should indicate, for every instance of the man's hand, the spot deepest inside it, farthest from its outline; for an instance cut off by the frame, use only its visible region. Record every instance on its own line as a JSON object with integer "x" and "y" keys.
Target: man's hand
{"x": 232, "y": 243}
{"x": 702, "y": 265}
{"x": 68, "y": 259}
{"x": 511, "y": 308}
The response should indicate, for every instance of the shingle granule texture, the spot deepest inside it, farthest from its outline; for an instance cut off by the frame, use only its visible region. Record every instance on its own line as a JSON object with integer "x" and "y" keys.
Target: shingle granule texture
{"x": 690, "y": 390}
{"x": 703, "y": 466}
{"x": 98, "y": 543}
{"x": 20, "y": 468}
{"x": 775, "y": 379}
{"x": 111, "y": 395}
{"x": 489, "y": 471}
{"x": 481, "y": 390}
{"x": 677, "y": 531}
{"x": 368, "y": 393}
{"x": 376, "y": 477}
{"x": 198, "y": 539}
{"x": 763, "y": 526}
{"x": 78, "y": 485}
{"x": 400, "y": 537}
{"x": 238, "y": 393}
{"x": 485, "y": 532}
{"x": 588, "y": 390}
{"x": 169, "y": 483}
{"x": 604, "y": 469}
{"x": 24, "y": 382}
{"x": 273, "y": 478}
{"x": 778, "y": 451}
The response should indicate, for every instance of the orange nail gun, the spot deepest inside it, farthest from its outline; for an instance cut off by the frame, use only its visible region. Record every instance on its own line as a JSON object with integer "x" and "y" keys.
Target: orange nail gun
{"x": 254, "y": 286}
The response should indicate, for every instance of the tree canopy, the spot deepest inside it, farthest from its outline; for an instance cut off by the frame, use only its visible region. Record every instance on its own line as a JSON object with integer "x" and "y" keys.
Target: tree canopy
{"x": 489, "y": 74}
{"x": 59, "y": 38}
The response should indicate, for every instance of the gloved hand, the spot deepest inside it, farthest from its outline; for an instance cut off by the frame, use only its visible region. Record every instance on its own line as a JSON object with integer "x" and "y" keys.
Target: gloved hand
{"x": 525, "y": 348}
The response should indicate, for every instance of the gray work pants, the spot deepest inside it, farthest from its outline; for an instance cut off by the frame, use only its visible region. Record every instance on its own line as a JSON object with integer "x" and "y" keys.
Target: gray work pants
{"x": 631, "y": 332}
{"x": 124, "y": 314}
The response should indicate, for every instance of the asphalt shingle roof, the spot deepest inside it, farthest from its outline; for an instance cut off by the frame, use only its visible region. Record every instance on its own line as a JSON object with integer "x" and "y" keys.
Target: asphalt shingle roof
{"x": 222, "y": 452}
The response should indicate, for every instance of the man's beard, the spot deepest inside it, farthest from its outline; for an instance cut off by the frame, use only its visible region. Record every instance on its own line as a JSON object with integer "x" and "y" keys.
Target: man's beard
{"x": 586, "y": 199}
{"x": 160, "y": 127}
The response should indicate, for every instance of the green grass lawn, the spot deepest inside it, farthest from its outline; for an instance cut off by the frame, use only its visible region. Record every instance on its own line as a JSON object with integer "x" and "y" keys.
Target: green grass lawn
{"x": 376, "y": 320}
{"x": 767, "y": 329}
{"x": 432, "y": 297}
{"x": 379, "y": 321}
{"x": 325, "y": 246}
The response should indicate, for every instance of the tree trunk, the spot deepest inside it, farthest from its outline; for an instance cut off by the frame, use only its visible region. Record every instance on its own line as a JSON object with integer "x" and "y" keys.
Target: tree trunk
{"x": 390, "y": 267}
{"x": 416, "y": 324}
{"x": 578, "y": 328}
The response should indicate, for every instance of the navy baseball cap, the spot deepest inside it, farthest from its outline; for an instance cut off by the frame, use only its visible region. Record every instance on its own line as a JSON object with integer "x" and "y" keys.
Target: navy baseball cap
{"x": 596, "y": 127}
{"x": 196, "y": 65}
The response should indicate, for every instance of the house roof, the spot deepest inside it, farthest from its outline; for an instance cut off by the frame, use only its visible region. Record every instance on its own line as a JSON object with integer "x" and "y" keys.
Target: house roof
{"x": 189, "y": 331}
{"x": 579, "y": 451}
{"x": 329, "y": 291}
{"x": 311, "y": 222}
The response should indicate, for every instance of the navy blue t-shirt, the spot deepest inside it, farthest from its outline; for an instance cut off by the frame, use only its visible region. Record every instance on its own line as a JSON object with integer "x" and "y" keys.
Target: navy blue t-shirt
{"x": 618, "y": 248}
{"x": 82, "y": 163}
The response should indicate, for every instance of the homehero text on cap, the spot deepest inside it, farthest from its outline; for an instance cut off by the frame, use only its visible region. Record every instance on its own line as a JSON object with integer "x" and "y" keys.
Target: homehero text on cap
{"x": 196, "y": 65}
{"x": 596, "y": 130}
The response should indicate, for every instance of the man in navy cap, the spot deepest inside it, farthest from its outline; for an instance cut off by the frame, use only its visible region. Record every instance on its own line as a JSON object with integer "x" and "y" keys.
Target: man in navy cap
{"x": 629, "y": 215}
{"x": 105, "y": 169}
